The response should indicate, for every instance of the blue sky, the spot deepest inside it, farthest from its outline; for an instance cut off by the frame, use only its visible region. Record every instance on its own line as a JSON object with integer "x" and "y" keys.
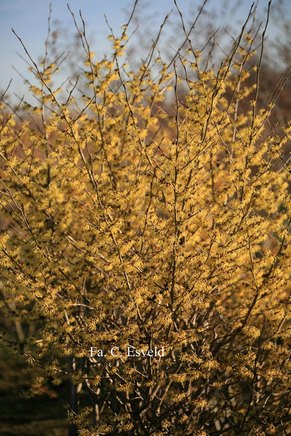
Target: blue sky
{"x": 29, "y": 19}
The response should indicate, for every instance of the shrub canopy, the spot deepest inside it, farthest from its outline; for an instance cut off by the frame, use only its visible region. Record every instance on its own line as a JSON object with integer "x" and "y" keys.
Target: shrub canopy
{"x": 149, "y": 208}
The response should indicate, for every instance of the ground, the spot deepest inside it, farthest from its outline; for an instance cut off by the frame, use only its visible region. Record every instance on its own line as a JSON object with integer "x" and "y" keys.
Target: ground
{"x": 20, "y": 414}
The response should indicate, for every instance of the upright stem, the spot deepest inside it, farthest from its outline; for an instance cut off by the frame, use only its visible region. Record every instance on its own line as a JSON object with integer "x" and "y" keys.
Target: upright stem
{"x": 72, "y": 430}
